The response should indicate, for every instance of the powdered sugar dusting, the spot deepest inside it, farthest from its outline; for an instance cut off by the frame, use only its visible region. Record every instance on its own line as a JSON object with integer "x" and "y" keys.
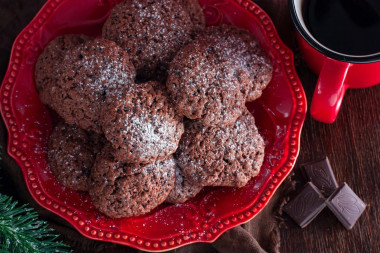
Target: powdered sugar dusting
{"x": 112, "y": 75}
{"x": 151, "y": 129}
{"x": 142, "y": 125}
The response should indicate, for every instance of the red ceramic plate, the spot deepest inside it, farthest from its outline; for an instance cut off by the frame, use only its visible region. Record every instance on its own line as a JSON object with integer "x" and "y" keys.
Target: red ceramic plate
{"x": 279, "y": 114}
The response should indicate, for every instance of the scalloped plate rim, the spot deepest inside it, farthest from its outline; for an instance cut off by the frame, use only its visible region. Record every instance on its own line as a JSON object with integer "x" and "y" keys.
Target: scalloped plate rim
{"x": 128, "y": 242}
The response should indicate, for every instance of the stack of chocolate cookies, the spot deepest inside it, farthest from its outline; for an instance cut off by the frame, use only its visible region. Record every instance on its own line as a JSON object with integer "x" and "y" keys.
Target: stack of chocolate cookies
{"x": 154, "y": 110}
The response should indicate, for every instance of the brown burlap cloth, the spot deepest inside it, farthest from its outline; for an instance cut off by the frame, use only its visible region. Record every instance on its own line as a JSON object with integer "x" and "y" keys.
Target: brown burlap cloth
{"x": 261, "y": 234}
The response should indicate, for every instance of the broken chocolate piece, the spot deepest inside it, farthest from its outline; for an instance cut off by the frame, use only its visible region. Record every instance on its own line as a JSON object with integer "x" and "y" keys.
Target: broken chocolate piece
{"x": 322, "y": 176}
{"x": 346, "y": 206}
{"x": 306, "y": 205}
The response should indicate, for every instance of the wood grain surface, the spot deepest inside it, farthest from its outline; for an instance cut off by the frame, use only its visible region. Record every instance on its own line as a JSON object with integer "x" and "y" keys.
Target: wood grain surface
{"x": 352, "y": 144}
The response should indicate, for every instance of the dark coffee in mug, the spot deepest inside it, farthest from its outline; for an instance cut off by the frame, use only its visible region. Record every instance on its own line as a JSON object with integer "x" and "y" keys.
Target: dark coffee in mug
{"x": 346, "y": 26}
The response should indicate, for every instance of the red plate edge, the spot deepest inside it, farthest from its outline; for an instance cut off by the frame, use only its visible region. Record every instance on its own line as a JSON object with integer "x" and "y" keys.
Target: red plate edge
{"x": 15, "y": 149}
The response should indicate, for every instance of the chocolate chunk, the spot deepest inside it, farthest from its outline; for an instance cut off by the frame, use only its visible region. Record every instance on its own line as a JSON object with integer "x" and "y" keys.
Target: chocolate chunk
{"x": 306, "y": 205}
{"x": 322, "y": 176}
{"x": 346, "y": 206}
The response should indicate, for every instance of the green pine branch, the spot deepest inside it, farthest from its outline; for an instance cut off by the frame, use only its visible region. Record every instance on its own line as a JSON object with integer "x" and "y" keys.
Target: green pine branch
{"x": 21, "y": 231}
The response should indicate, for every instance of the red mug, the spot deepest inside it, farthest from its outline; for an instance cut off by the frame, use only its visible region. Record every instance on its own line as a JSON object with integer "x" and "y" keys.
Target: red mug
{"x": 337, "y": 71}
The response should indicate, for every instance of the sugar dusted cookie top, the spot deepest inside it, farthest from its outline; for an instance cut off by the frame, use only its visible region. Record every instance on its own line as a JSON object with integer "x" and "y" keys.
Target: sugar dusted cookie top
{"x": 143, "y": 125}
{"x": 91, "y": 72}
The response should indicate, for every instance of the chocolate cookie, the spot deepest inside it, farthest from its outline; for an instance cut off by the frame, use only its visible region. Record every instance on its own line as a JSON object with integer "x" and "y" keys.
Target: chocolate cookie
{"x": 205, "y": 85}
{"x": 120, "y": 189}
{"x": 247, "y": 55}
{"x": 49, "y": 63}
{"x": 183, "y": 189}
{"x": 215, "y": 156}
{"x": 151, "y": 31}
{"x": 71, "y": 154}
{"x": 91, "y": 72}
{"x": 243, "y": 154}
{"x": 143, "y": 125}
{"x": 200, "y": 153}
{"x": 195, "y": 12}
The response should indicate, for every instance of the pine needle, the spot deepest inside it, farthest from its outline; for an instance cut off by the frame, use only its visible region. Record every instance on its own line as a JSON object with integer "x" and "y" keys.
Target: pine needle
{"x": 21, "y": 231}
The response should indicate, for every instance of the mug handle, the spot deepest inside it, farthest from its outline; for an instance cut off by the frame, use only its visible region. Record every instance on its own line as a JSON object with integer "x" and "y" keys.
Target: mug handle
{"x": 330, "y": 89}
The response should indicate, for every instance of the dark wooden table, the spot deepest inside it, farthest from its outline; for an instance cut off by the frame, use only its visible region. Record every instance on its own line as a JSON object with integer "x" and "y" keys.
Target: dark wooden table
{"x": 352, "y": 143}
